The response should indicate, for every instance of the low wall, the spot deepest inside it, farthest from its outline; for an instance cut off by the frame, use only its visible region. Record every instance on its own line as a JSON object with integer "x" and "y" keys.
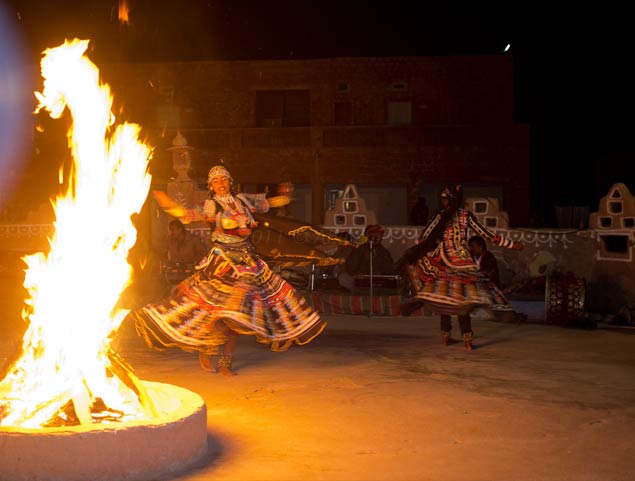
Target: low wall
{"x": 545, "y": 250}
{"x": 610, "y": 278}
{"x": 610, "y": 281}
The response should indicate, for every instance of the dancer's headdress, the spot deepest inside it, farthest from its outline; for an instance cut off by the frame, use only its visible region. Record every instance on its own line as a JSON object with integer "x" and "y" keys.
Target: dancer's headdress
{"x": 451, "y": 192}
{"x": 218, "y": 171}
{"x": 454, "y": 194}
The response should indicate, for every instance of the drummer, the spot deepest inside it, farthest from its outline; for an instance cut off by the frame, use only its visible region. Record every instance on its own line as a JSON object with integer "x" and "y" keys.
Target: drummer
{"x": 358, "y": 261}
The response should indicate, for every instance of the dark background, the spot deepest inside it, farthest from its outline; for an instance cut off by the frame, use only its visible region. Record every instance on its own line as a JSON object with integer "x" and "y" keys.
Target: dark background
{"x": 572, "y": 70}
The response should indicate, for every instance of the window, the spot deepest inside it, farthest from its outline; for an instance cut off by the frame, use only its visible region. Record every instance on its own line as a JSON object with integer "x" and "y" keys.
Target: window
{"x": 399, "y": 87}
{"x": 350, "y": 206}
{"x": 628, "y": 222}
{"x": 359, "y": 219}
{"x": 615, "y": 243}
{"x": 399, "y": 113}
{"x": 615, "y": 207}
{"x": 615, "y": 247}
{"x": 283, "y": 108}
{"x": 606, "y": 222}
{"x": 491, "y": 221}
{"x": 480, "y": 207}
{"x": 331, "y": 196}
{"x": 343, "y": 113}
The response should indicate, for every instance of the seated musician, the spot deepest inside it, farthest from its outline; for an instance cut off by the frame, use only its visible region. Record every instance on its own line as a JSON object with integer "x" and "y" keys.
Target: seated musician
{"x": 184, "y": 251}
{"x": 358, "y": 262}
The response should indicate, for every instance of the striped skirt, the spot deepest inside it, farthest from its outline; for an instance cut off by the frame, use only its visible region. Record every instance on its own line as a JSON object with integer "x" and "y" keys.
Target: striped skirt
{"x": 234, "y": 286}
{"x": 454, "y": 291}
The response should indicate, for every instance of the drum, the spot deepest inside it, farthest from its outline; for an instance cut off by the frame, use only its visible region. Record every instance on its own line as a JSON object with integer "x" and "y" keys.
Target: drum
{"x": 565, "y": 295}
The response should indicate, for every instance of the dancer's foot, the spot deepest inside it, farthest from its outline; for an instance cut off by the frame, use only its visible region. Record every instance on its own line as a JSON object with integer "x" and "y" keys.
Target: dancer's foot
{"x": 467, "y": 340}
{"x": 225, "y": 365}
{"x": 225, "y": 371}
{"x": 205, "y": 360}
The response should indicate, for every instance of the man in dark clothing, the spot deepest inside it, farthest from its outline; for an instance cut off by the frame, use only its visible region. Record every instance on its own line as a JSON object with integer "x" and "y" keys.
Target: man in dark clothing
{"x": 485, "y": 259}
{"x": 184, "y": 251}
{"x": 358, "y": 261}
{"x": 489, "y": 265}
{"x": 183, "y": 246}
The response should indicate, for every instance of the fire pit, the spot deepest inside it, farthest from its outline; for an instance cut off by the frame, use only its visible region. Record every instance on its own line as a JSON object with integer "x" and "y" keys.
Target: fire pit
{"x": 70, "y": 407}
{"x": 133, "y": 450}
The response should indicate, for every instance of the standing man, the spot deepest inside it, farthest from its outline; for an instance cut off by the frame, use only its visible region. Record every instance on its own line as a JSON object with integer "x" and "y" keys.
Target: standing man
{"x": 358, "y": 261}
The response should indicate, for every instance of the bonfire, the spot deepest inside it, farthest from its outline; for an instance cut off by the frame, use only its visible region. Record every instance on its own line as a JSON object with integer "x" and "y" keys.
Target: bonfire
{"x": 68, "y": 373}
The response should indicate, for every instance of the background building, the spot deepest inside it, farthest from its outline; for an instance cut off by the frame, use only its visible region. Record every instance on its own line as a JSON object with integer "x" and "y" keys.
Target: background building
{"x": 396, "y": 127}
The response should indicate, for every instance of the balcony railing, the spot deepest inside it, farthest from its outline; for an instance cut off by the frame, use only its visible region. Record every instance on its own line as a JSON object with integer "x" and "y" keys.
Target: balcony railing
{"x": 344, "y": 136}
{"x": 275, "y": 137}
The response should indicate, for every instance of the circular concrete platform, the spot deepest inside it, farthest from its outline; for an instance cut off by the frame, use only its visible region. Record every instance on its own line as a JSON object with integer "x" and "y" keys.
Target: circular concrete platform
{"x": 130, "y": 451}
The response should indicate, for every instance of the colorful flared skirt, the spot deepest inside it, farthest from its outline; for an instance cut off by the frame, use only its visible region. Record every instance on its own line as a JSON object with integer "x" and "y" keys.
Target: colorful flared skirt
{"x": 236, "y": 287}
{"x": 445, "y": 290}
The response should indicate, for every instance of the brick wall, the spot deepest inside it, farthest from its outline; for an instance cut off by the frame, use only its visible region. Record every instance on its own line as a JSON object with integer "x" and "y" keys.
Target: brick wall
{"x": 462, "y": 126}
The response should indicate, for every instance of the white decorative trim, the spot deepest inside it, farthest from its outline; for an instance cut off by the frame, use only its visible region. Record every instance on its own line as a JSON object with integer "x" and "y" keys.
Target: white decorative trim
{"x": 536, "y": 237}
{"x": 403, "y": 234}
{"x": 539, "y": 237}
{"x": 406, "y": 235}
{"x": 24, "y": 230}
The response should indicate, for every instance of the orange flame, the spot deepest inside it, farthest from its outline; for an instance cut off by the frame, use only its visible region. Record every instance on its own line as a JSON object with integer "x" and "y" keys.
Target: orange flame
{"x": 73, "y": 290}
{"x": 124, "y": 12}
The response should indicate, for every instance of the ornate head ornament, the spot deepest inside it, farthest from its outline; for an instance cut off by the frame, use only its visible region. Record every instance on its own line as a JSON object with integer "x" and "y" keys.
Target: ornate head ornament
{"x": 452, "y": 192}
{"x": 218, "y": 171}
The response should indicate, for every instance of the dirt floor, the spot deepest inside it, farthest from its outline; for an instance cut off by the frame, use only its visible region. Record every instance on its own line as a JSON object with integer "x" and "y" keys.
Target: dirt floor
{"x": 379, "y": 398}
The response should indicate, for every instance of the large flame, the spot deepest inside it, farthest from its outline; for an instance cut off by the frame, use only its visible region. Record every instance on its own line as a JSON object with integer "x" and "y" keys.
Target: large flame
{"x": 74, "y": 289}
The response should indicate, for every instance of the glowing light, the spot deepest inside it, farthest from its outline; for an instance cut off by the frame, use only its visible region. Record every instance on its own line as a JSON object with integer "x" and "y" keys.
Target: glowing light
{"x": 507, "y": 47}
{"x": 124, "y": 12}
{"x": 74, "y": 289}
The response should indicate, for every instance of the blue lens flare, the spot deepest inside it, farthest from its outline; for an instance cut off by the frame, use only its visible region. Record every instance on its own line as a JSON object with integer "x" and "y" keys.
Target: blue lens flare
{"x": 17, "y": 103}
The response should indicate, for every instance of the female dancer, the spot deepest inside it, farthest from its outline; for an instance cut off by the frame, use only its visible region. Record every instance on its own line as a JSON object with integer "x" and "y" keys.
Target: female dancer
{"x": 232, "y": 292}
{"x": 443, "y": 273}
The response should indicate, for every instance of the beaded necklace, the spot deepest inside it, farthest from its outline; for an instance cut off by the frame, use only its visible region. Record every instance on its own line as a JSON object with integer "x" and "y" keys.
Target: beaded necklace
{"x": 227, "y": 200}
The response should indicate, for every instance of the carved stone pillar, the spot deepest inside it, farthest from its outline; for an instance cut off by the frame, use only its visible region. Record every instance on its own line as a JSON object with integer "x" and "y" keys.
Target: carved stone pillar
{"x": 182, "y": 187}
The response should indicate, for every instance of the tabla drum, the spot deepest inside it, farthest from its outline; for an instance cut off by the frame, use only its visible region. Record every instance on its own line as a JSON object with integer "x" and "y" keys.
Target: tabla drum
{"x": 565, "y": 295}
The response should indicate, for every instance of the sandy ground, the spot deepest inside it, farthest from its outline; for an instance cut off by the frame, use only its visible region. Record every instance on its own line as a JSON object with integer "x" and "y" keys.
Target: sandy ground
{"x": 379, "y": 398}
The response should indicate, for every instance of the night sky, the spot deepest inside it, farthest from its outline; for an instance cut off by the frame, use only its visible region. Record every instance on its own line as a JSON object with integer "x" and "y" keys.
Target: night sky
{"x": 572, "y": 69}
